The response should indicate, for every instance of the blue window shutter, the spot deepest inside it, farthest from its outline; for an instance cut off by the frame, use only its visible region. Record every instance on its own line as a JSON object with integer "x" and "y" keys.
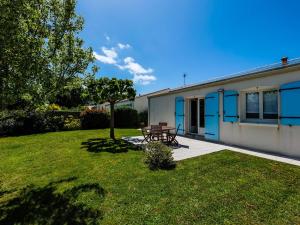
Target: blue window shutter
{"x": 212, "y": 116}
{"x": 179, "y": 114}
{"x": 230, "y": 106}
{"x": 290, "y": 107}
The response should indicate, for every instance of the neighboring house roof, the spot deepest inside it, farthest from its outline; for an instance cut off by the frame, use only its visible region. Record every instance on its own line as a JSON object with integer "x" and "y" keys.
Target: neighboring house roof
{"x": 140, "y": 96}
{"x": 260, "y": 71}
{"x": 154, "y": 93}
{"x": 150, "y": 94}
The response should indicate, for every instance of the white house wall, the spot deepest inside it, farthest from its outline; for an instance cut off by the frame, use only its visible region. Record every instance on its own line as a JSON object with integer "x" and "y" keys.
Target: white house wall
{"x": 274, "y": 138}
{"x": 141, "y": 103}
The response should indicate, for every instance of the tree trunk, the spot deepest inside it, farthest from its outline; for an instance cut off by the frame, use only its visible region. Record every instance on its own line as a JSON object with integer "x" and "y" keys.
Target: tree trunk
{"x": 112, "y": 120}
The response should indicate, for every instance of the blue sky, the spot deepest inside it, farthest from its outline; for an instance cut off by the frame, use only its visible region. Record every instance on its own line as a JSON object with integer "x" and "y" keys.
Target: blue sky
{"x": 154, "y": 42}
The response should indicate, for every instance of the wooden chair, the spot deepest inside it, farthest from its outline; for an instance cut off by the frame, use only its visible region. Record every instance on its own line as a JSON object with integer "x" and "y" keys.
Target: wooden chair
{"x": 147, "y": 135}
{"x": 172, "y": 137}
{"x": 156, "y": 132}
{"x": 163, "y": 124}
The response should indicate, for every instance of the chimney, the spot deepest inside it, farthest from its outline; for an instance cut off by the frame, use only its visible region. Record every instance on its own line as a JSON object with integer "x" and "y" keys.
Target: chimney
{"x": 284, "y": 61}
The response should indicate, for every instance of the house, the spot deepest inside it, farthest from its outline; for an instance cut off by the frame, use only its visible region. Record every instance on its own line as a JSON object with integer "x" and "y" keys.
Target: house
{"x": 140, "y": 103}
{"x": 258, "y": 109}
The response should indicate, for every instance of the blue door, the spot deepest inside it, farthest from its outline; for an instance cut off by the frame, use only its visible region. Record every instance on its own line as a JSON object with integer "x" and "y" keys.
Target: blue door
{"x": 212, "y": 116}
{"x": 179, "y": 114}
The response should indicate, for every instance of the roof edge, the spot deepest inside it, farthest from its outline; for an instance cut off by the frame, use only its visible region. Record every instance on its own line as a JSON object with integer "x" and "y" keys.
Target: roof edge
{"x": 243, "y": 75}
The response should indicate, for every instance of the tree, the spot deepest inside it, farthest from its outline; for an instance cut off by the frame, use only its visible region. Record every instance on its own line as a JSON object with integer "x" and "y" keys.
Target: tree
{"x": 40, "y": 50}
{"x": 73, "y": 94}
{"x": 112, "y": 91}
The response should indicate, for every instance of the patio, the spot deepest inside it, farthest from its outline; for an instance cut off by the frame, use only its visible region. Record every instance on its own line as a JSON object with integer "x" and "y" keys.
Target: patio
{"x": 189, "y": 148}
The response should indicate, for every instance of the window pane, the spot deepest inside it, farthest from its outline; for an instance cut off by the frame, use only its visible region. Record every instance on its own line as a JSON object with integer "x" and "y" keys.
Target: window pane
{"x": 270, "y": 105}
{"x": 252, "y": 105}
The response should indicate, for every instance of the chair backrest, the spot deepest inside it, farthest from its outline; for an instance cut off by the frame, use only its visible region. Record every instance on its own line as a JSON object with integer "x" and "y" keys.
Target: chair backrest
{"x": 144, "y": 131}
{"x": 156, "y": 128}
{"x": 163, "y": 124}
{"x": 177, "y": 130}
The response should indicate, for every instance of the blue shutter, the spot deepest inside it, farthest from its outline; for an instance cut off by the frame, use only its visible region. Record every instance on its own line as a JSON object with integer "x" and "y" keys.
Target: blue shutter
{"x": 290, "y": 107}
{"x": 179, "y": 114}
{"x": 212, "y": 116}
{"x": 230, "y": 106}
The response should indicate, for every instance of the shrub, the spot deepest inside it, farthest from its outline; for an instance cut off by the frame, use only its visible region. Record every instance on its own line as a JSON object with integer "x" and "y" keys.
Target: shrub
{"x": 126, "y": 118}
{"x": 65, "y": 113}
{"x": 159, "y": 156}
{"x": 94, "y": 119}
{"x": 21, "y": 122}
{"x": 143, "y": 118}
{"x": 39, "y": 122}
{"x": 12, "y": 122}
{"x": 71, "y": 123}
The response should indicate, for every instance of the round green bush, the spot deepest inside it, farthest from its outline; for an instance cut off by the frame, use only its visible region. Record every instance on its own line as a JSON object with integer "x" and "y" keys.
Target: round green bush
{"x": 159, "y": 156}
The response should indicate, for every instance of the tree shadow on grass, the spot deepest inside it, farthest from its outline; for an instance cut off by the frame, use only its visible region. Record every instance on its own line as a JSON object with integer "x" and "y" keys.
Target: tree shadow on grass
{"x": 45, "y": 205}
{"x": 98, "y": 145}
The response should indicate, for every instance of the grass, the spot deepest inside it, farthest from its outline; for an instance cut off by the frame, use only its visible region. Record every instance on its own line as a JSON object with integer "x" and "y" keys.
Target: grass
{"x": 82, "y": 177}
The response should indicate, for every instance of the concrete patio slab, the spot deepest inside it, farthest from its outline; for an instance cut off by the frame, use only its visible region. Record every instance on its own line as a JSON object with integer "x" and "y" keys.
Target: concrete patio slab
{"x": 190, "y": 148}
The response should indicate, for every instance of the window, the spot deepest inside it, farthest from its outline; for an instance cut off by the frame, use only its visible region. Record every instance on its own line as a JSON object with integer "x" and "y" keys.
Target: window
{"x": 252, "y": 105}
{"x": 270, "y": 99}
{"x": 261, "y": 106}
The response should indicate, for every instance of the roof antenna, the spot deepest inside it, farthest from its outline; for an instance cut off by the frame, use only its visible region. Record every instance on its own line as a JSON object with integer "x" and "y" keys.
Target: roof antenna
{"x": 184, "y": 77}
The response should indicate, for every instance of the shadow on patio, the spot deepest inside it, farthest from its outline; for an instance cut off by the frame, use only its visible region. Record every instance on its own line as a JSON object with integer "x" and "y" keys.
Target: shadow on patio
{"x": 45, "y": 205}
{"x": 98, "y": 145}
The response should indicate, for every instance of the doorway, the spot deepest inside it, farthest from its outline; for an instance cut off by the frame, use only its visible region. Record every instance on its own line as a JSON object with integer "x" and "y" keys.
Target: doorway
{"x": 194, "y": 116}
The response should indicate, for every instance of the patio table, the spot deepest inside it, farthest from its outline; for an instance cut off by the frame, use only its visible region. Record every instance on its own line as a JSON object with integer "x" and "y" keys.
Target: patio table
{"x": 164, "y": 130}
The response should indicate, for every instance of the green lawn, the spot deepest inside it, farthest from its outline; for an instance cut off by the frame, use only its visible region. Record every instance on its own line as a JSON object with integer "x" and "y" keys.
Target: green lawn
{"x": 80, "y": 177}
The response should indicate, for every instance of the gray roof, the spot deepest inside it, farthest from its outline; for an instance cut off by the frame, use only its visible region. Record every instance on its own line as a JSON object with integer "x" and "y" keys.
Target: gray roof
{"x": 248, "y": 73}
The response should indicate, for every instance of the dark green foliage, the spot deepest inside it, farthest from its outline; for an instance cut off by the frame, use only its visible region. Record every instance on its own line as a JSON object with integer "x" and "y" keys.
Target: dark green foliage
{"x": 94, "y": 119}
{"x": 159, "y": 156}
{"x": 73, "y": 94}
{"x": 126, "y": 118}
{"x": 143, "y": 118}
{"x": 38, "y": 122}
{"x": 22, "y": 122}
{"x": 12, "y": 122}
{"x": 67, "y": 113}
{"x": 41, "y": 51}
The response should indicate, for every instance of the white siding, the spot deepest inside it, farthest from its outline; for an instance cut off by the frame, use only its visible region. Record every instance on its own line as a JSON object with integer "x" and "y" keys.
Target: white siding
{"x": 279, "y": 139}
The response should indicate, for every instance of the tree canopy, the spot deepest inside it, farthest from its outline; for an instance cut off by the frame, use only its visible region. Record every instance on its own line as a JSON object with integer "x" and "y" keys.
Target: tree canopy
{"x": 112, "y": 91}
{"x": 40, "y": 50}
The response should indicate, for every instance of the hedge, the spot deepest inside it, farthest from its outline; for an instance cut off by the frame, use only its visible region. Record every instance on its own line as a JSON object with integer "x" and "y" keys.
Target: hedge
{"x": 22, "y": 122}
{"x": 94, "y": 119}
{"x": 126, "y": 118}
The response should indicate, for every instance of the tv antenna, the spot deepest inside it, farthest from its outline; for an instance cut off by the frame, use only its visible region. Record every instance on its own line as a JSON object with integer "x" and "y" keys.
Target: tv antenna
{"x": 184, "y": 78}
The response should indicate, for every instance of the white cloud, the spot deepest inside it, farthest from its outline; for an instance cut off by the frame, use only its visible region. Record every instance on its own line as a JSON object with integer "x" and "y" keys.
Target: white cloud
{"x": 107, "y": 37}
{"x": 123, "y": 46}
{"x": 143, "y": 79}
{"x": 109, "y": 56}
{"x": 140, "y": 74}
{"x": 134, "y": 67}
